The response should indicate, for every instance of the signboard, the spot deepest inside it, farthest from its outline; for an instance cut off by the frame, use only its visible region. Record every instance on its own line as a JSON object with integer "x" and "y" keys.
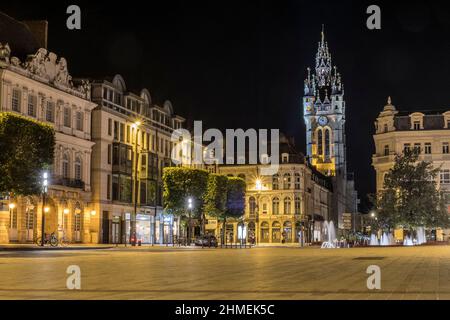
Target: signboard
{"x": 212, "y": 224}
{"x": 347, "y": 221}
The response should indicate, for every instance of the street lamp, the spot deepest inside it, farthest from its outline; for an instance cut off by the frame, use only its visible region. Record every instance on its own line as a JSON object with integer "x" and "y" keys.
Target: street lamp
{"x": 190, "y": 206}
{"x": 258, "y": 187}
{"x": 45, "y": 209}
{"x": 11, "y": 208}
{"x": 135, "y": 125}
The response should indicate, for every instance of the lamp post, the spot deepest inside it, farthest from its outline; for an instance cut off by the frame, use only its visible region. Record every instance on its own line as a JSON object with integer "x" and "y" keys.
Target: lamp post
{"x": 190, "y": 205}
{"x": 44, "y": 208}
{"x": 258, "y": 187}
{"x": 136, "y": 186}
{"x": 11, "y": 211}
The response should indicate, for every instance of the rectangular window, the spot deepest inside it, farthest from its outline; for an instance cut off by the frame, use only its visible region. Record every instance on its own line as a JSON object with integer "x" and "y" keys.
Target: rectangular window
{"x": 109, "y": 127}
{"x": 50, "y": 112}
{"x": 67, "y": 117}
{"x": 416, "y": 125}
{"x": 444, "y": 176}
{"x": 32, "y": 102}
{"x": 386, "y": 150}
{"x": 109, "y": 154}
{"x": 406, "y": 147}
{"x": 79, "y": 120}
{"x": 16, "y": 100}
{"x": 122, "y": 132}
{"x": 417, "y": 147}
{"x": 116, "y": 130}
{"x": 128, "y": 134}
{"x": 108, "y": 187}
{"x": 445, "y": 148}
{"x": 105, "y": 93}
{"x": 427, "y": 148}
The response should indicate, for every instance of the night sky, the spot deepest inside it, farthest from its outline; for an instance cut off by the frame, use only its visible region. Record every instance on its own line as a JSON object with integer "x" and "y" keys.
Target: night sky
{"x": 241, "y": 64}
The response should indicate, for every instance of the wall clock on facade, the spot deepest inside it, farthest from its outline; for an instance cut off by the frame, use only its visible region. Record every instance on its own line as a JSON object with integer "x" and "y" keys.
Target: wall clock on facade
{"x": 323, "y": 120}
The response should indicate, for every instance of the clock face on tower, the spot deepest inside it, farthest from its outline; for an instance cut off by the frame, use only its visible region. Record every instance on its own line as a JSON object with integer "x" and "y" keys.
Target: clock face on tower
{"x": 322, "y": 120}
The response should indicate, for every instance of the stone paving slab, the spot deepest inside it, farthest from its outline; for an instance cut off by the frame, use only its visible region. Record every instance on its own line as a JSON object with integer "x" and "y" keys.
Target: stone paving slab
{"x": 264, "y": 273}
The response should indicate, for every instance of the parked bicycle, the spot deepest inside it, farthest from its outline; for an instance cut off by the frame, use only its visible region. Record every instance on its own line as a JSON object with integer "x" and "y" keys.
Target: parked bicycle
{"x": 48, "y": 239}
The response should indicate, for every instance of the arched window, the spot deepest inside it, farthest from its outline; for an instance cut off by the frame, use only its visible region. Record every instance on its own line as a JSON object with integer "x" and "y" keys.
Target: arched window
{"x": 327, "y": 142}
{"x": 297, "y": 180}
{"x": 78, "y": 172}
{"x": 287, "y": 205}
{"x": 252, "y": 205}
{"x": 287, "y": 181}
{"x": 276, "y": 206}
{"x": 319, "y": 142}
{"x": 65, "y": 166}
{"x": 275, "y": 182}
{"x": 297, "y": 205}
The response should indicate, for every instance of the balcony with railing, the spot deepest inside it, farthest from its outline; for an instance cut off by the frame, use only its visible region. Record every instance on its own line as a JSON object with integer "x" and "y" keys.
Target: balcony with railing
{"x": 66, "y": 182}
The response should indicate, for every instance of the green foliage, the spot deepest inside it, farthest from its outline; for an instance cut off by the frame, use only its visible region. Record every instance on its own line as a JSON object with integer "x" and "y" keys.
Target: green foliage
{"x": 215, "y": 198}
{"x": 26, "y": 150}
{"x": 179, "y": 184}
{"x": 410, "y": 197}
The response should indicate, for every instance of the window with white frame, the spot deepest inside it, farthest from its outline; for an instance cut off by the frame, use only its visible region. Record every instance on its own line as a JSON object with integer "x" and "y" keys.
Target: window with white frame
{"x": 406, "y": 147}
{"x": 297, "y": 180}
{"x": 16, "y": 100}
{"x": 67, "y": 117}
{"x": 297, "y": 207}
{"x": 386, "y": 150}
{"x": 79, "y": 121}
{"x": 78, "y": 171}
{"x": 417, "y": 147}
{"x": 287, "y": 205}
{"x": 427, "y": 148}
{"x": 444, "y": 176}
{"x": 416, "y": 125}
{"x": 445, "y": 148}
{"x": 50, "y": 112}
{"x": 32, "y": 102}
{"x": 65, "y": 166}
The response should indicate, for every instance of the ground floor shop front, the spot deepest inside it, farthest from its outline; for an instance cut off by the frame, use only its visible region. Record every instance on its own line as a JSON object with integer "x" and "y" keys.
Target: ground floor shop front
{"x": 67, "y": 214}
{"x": 153, "y": 226}
{"x": 267, "y": 231}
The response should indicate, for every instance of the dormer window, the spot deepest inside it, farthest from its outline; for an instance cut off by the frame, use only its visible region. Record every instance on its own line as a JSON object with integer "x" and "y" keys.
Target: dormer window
{"x": 284, "y": 158}
{"x": 386, "y": 129}
{"x": 416, "y": 119}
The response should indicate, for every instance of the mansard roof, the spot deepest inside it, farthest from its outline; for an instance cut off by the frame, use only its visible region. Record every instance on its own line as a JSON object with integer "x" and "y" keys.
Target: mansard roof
{"x": 432, "y": 120}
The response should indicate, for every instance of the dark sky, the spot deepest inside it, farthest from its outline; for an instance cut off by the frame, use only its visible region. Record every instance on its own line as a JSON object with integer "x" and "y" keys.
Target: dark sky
{"x": 241, "y": 64}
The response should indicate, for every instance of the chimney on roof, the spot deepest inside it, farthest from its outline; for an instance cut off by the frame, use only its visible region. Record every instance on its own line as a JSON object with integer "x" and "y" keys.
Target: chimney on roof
{"x": 39, "y": 29}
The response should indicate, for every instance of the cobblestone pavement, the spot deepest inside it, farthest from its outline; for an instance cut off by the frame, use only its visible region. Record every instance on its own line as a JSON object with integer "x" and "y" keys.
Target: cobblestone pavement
{"x": 258, "y": 273}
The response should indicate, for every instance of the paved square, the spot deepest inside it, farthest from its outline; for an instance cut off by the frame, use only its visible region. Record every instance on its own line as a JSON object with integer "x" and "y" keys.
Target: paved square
{"x": 258, "y": 273}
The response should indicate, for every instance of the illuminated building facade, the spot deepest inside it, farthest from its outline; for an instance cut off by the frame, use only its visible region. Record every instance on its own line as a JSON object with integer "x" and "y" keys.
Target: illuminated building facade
{"x": 324, "y": 116}
{"x": 428, "y": 132}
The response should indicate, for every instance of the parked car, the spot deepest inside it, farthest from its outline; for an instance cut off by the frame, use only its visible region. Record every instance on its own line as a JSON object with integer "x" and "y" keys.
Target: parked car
{"x": 206, "y": 241}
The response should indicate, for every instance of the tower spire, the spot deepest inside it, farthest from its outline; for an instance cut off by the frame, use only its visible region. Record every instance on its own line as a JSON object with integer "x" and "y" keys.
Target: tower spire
{"x": 323, "y": 33}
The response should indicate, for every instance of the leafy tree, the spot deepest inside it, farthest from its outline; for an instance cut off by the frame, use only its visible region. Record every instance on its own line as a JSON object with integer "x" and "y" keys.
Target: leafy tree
{"x": 26, "y": 149}
{"x": 179, "y": 184}
{"x": 235, "y": 205}
{"x": 215, "y": 198}
{"x": 410, "y": 197}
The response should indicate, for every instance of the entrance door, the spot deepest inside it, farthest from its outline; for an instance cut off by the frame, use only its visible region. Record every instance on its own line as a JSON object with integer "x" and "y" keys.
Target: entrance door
{"x": 115, "y": 231}
{"x": 77, "y": 227}
{"x": 13, "y": 236}
{"x": 29, "y": 224}
{"x": 105, "y": 227}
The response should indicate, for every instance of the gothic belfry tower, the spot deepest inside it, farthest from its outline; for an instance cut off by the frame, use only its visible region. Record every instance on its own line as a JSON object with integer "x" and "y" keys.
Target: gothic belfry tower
{"x": 324, "y": 115}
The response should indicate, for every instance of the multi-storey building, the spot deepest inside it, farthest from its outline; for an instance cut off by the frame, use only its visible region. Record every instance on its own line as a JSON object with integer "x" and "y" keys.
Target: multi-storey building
{"x": 125, "y": 125}
{"x": 36, "y": 83}
{"x": 278, "y": 207}
{"x": 324, "y": 116}
{"x": 428, "y": 132}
